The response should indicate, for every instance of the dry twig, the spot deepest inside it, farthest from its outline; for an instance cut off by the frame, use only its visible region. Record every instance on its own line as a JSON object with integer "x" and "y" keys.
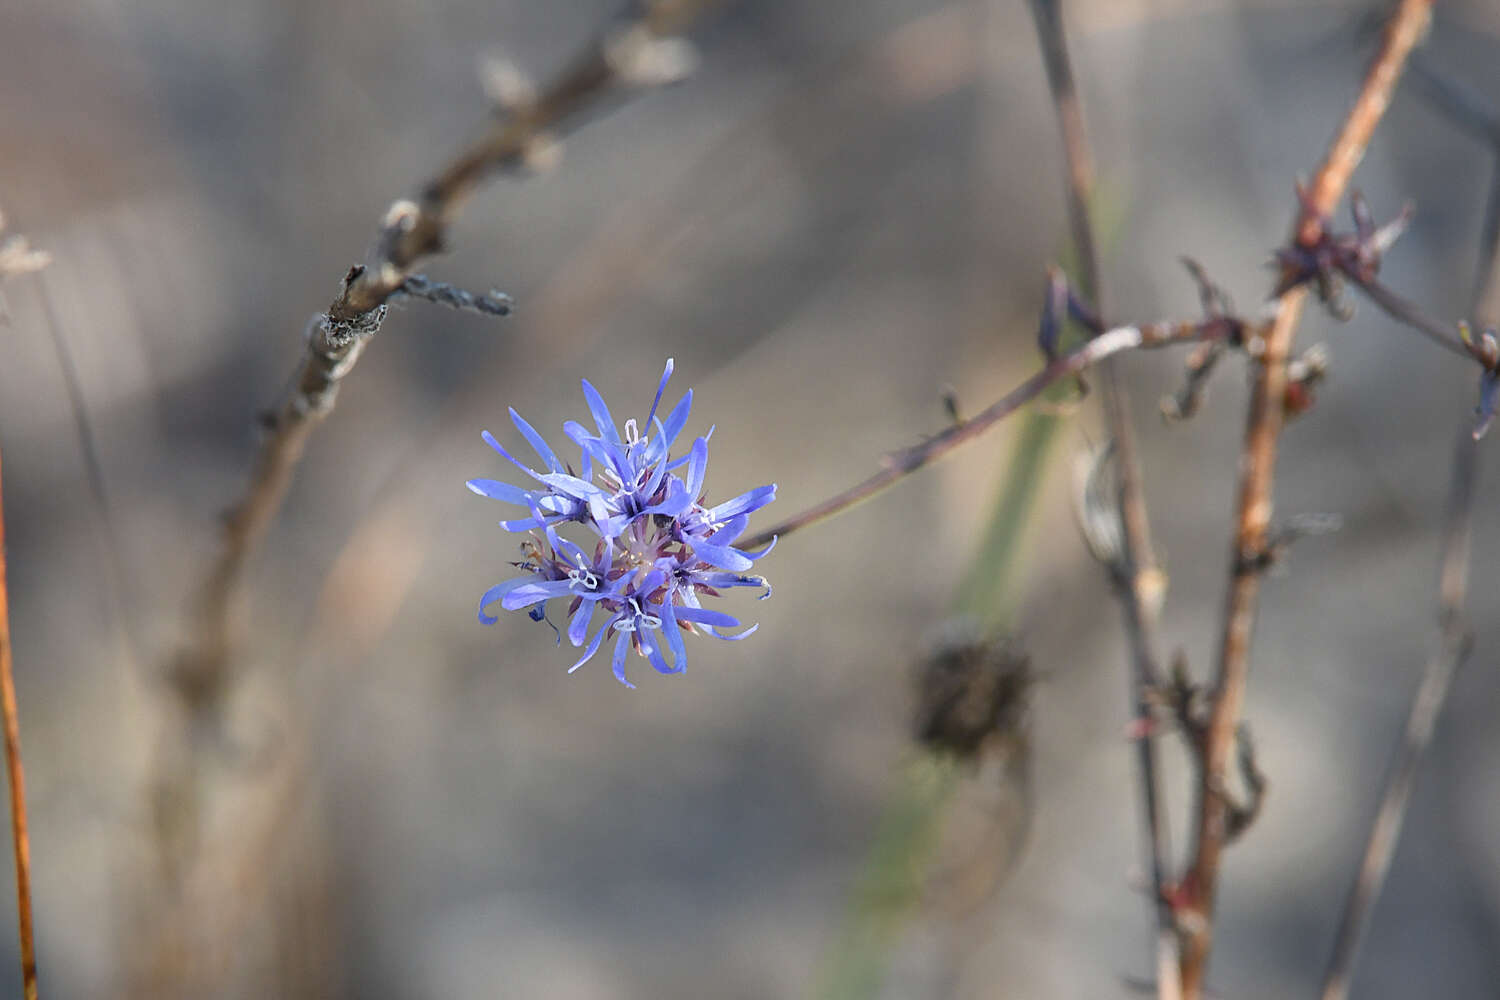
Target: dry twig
{"x": 17, "y": 780}
{"x": 1136, "y": 578}
{"x": 1453, "y": 646}
{"x": 901, "y": 464}
{"x": 1454, "y": 639}
{"x": 1405, "y": 29}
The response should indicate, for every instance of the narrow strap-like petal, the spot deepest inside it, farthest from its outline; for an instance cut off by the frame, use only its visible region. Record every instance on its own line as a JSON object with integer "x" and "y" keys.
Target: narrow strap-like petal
{"x": 588, "y": 654}
{"x": 745, "y": 503}
{"x": 703, "y": 616}
{"x": 661, "y": 387}
{"x": 496, "y": 490}
{"x": 538, "y": 444}
{"x": 619, "y": 659}
{"x": 533, "y": 591}
{"x": 607, "y": 429}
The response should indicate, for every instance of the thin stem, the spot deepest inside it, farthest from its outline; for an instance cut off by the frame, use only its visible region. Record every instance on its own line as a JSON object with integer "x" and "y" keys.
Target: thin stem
{"x": 1453, "y": 647}
{"x": 1136, "y": 579}
{"x": 1406, "y": 312}
{"x": 1454, "y": 640}
{"x": 901, "y": 464}
{"x": 1405, "y": 29}
{"x": 16, "y": 776}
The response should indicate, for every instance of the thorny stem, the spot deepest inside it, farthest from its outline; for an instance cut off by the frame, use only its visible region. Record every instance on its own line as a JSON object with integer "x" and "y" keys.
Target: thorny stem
{"x": 16, "y": 775}
{"x": 412, "y": 230}
{"x": 1405, "y": 29}
{"x": 901, "y": 464}
{"x": 1454, "y": 639}
{"x": 1136, "y": 577}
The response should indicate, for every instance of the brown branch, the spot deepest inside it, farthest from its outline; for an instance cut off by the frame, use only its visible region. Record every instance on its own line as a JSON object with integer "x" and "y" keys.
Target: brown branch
{"x": 1405, "y": 29}
{"x": 16, "y": 776}
{"x": 901, "y": 464}
{"x": 1135, "y": 576}
{"x": 634, "y": 53}
{"x": 1454, "y": 639}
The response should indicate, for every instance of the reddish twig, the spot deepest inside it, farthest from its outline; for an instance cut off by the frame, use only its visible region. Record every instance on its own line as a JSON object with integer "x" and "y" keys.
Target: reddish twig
{"x": 1405, "y": 29}
{"x": 16, "y": 775}
{"x": 1136, "y": 578}
{"x": 901, "y": 464}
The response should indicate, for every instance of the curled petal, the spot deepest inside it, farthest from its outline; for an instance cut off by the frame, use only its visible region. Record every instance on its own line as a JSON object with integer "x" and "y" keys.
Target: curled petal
{"x": 732, "y": 638}
{"x": 494, "y": 594}
{"x": 532, "y": 591}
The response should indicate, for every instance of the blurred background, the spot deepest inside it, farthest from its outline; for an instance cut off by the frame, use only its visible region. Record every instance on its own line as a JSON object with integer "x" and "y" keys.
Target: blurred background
{"x": 850, "y": 206}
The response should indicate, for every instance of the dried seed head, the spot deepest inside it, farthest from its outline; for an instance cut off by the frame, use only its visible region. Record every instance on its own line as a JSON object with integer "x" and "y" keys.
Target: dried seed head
{"x": 971, "y": 690}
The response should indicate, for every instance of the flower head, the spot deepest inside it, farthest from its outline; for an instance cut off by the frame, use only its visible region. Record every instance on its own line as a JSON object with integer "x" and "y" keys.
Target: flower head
{"x": 656, "y": 551}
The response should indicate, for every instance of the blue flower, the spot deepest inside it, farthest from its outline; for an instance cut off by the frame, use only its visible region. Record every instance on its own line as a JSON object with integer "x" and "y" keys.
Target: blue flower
{"x": 657, "y": 551}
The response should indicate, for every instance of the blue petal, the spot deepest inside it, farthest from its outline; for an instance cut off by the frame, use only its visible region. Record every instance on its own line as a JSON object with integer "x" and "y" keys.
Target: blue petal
{"x": 674, "y": 636}
{"x": 697, "y": 467}
{"x": 607, "y": 429}
{"x": 535, "y": 440}
{"x": 533, "y": 591}
{"x": 660, "y": 388}
{"x": 658, "y": 470}
{"x": 489, "y": 439}
{"x": 676, "y": 502}
{"x": 722, "y": 556}
{"x": 745, "y": 503}
{"x": 619, "y": 660}
{"x": 594, "y": 447}
{"x": 588, "y": 654}
{"x": 578, "y": 628}
{"x": 734, "y": 638}
{"x": 495, "y": 593}
{"x": 651, "y": 646}
{"x": 496, "y": 490}
{"x": 572, "y": 485}
{"x": 724, "y": 581}
{"x": 575, "y": 555}
{"x": 703, "y": 616}
{"x": 530, "y": 523}
{"x": 670, "y": 428}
